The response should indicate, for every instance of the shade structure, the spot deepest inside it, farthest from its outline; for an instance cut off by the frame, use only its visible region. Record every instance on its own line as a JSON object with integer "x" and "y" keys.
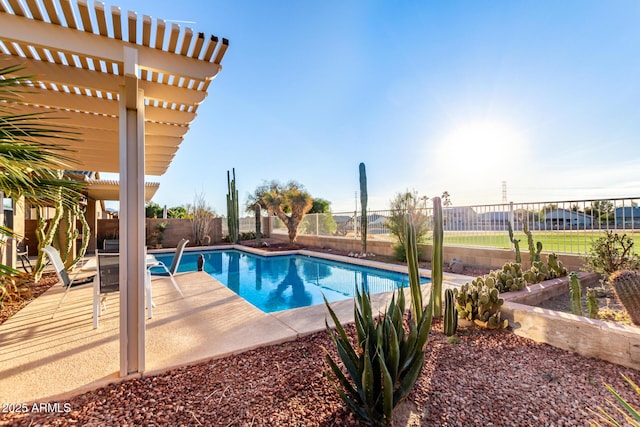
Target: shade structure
{"x": 128, "y": 86}
{"x": 74, "y": 53}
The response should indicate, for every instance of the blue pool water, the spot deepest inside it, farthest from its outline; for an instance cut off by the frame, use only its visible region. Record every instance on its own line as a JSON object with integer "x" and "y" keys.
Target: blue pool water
{"x": 283, "y": 282}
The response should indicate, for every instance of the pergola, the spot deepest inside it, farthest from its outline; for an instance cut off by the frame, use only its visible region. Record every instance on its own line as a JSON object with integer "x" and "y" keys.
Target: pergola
{"x": 129, "y": 86}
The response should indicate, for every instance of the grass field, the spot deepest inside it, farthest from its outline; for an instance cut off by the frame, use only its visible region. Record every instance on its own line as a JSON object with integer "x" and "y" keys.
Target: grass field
{"x": 552, "y": 241}
{"x": 561, "y": 241}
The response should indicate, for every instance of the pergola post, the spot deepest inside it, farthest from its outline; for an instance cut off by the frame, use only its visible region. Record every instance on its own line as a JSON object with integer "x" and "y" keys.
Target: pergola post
{"x": 132, "y": 250}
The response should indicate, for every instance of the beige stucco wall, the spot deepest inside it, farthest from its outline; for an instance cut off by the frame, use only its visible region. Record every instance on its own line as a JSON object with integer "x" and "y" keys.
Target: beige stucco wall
{"x": 471, "y": 256}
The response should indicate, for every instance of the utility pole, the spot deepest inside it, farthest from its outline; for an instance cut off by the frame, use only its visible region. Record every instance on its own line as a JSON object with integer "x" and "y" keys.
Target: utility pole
{"x": 504, "y": 191}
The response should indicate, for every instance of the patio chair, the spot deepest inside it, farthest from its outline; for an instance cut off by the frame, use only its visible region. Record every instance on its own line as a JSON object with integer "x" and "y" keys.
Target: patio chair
{"x": 63, "y": 275}
{"x": 22, "y": 251}
{"x": 171, "y": 271}
{"x": 108, "y": 281}
{"x": 111, "y": 245}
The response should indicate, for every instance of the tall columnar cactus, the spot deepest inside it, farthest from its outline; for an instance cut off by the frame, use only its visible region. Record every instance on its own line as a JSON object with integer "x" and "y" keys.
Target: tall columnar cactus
{"x": 436, "y": 257}
{"x": 534, "y": 249}
{"x": 233, "y": 217}
{"x": 592, "y": 303}
{"x": 450, "y": 323}
{"x": 575, "y": 293}
{"x": 516, "y": 244}
{"x": 387, "y": 360}
{"x": 626, "y": 285}
{"x": 364, "y": 197}
{"x": 258, "y": 211}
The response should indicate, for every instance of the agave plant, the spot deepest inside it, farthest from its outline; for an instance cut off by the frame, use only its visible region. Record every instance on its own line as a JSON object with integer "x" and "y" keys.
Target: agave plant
{"x": 386, "y": 361}
{"x": 630, "y": 414}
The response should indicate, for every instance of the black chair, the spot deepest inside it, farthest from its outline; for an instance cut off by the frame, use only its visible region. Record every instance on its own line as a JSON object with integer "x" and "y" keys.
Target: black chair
{"x": 111, "y": 245}
{"x": 22, "y": 250}
{"x": 108, "y": 265}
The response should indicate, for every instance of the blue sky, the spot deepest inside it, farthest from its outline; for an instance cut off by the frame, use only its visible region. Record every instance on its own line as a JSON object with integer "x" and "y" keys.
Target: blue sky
{"x": 432, "y": 96}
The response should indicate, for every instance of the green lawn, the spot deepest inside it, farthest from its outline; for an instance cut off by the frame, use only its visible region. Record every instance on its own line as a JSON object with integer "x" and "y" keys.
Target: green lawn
{"x": 552, "y": 241}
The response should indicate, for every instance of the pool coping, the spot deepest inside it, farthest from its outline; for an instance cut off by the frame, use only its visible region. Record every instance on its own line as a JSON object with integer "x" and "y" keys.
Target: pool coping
{"x": 452, "y": 278}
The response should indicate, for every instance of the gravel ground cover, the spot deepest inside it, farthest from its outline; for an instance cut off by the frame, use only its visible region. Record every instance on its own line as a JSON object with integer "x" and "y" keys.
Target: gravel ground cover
{"x": 480, "y": 378}
{"x": 486, "y": 378}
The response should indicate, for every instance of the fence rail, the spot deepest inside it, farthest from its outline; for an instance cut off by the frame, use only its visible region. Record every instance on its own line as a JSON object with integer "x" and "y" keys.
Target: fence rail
{"x": 561, "y": 226}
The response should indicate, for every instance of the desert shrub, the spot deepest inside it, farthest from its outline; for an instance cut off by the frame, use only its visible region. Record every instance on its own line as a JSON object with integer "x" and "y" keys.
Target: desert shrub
{"x": 247, "y": 235}
{"x": 14, "y": 285}
{"x": 612, "y": 252}
{"x": 407, "y": 206}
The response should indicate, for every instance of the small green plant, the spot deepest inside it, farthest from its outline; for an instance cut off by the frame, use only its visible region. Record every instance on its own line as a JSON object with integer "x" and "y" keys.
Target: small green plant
{"x": 612, "y": 252}
{"x": 621, "y": 406}
{"x": 454, "y": 340}
{"x": 592, "y": 303}
{"x": 534, "y": 250}
{"x": 575, "y": 294}
{"x": 386, "y": 360}
{"x": 450, "y": 322}
{"x": 161, "y": 227}
{"x": 247, "y": 235}
{"x": 516, "y": 244}
{"x": 626, "y": 286}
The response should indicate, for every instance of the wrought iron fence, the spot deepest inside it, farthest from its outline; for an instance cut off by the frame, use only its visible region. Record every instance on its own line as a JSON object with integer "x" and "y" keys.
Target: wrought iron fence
{"x": 561, "y": 226}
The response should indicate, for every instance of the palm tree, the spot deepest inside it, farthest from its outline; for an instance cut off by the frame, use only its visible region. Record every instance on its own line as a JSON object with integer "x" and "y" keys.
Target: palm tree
{"x": 289, "y": 202}
{"x": 30, "y": 164}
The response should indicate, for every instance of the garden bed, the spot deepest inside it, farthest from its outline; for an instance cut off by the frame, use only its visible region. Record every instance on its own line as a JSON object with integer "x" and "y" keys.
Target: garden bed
{"x": 612, "y": 341}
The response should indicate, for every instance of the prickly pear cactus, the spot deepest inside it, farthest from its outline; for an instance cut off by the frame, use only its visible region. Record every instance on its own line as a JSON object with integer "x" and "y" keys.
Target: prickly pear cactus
{"x": 480, "y": 302}
{"x": 510, "y": 278}
{"x": 556, "y": 265}
{"x": 626, "y": 286}
{"x": 540, "y": 271}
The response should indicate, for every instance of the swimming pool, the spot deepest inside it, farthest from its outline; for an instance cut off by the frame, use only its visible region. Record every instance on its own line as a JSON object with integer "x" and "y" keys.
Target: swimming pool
{"x": 282, "y": 282}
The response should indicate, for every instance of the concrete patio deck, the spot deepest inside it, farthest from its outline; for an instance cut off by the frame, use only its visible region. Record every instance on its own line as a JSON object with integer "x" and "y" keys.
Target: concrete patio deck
{"x": 49, "y": 359}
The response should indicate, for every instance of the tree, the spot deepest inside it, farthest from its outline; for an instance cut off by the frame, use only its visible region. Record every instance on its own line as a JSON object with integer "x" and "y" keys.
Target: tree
{"x": 201, "y": 215}
{"x": 153, "y": 210}
{"x": 406, "y": 206}
{"x": 446, "y": 199}
{"x": 320, "y": 206}
{"x": 177, "y": 212}
{"x": 31, "y": 167}
{"x": 289, "y": 202}
{"x": 323, "y": 222}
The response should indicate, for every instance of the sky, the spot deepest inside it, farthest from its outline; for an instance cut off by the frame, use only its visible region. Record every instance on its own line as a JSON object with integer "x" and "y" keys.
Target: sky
{"x": 432, "y": 96}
